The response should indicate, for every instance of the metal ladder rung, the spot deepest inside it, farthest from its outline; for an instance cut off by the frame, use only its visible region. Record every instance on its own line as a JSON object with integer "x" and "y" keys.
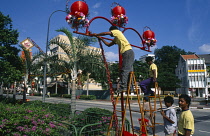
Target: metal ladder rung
{"x": 135, "y": 111}
{"x": 150, "y": 110}
{"x": 119, "y": 111}
{"x": 159, "y": 123}
{"x": 154, "y": 96}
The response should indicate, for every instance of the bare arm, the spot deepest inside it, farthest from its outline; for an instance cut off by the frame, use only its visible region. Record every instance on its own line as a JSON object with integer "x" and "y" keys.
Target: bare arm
{"x": 106, "y": 43}
{"x": 164, "y": 116}
{"x": 154, "y": 75}
{"x": 187, "y": 132}
{"x": 102, "y": 34}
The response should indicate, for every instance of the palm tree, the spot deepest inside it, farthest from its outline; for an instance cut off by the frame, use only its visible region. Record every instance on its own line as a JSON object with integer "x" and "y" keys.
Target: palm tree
{"x": 80, "y": 57}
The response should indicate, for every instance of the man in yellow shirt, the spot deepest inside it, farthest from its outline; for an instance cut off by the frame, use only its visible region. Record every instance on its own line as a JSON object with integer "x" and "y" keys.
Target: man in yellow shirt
{"x": 152, "y": 77}
{"x": 186, "y": 119}
{"x": 125, "y": 50}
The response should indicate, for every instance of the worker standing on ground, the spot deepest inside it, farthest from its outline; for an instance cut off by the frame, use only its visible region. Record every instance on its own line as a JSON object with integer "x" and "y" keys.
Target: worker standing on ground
{"x": 186, "y": 119}
{"x": 153, "y": 72}
{"x": 125, "y": 50}
{"x": 169, "y": 117}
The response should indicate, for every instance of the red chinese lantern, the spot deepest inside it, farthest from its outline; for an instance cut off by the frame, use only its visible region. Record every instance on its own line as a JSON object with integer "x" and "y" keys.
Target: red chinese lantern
{"x": 148, "y": 34}
{"x": 118, "y": 10}
{"x": 79, "y": 6}
{"x": 149, "y": 37}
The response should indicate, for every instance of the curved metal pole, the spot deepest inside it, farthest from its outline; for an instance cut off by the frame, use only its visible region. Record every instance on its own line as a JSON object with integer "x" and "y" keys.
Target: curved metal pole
{"x": 45, "y": 63}
{"x": 97, "y": 18}
{"x": 134, "y": 31}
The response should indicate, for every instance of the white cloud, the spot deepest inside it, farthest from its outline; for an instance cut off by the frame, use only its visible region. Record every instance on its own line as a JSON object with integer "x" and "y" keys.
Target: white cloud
{"x": 110, "y": 56}
{"x": 198, "y": 17}
{"x": 95, "y": 13}
{"x": 97, "y": 5}
{"x": 205, "y": 48}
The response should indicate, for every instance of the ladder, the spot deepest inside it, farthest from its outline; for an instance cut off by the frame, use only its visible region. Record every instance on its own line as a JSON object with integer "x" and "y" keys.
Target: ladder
{"x": 121, "y": 129}
{"x": 153, "y": 108}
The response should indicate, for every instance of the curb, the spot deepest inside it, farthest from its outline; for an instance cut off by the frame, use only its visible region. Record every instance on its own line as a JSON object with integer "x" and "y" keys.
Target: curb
{"x": 200, "y": 108}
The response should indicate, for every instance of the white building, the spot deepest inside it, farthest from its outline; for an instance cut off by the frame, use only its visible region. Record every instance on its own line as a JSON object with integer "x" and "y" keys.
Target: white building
{"x": 61, "y": 54}
{"x": 142, "y": 58}
{"x": 191, "y": 70}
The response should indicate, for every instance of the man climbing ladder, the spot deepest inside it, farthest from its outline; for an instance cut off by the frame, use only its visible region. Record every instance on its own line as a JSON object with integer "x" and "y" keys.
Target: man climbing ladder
{"x": 126, "y": 52}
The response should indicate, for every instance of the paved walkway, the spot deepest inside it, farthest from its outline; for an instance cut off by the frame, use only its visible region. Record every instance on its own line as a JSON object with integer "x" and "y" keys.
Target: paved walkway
{"x": 199, "y": 103}
{"x": 196, "y": 103}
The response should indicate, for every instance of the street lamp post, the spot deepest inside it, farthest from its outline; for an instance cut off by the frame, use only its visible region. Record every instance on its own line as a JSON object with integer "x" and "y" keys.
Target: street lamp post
{"x": 45, "y": 63}
{"x": 88, "y": 83}
{"x": 192, "y": 92}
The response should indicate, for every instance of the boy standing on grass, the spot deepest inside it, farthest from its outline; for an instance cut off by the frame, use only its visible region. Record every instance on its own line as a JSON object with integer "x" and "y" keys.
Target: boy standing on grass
{"x": 169, "y": 117}
{"x": 186, "y": 119}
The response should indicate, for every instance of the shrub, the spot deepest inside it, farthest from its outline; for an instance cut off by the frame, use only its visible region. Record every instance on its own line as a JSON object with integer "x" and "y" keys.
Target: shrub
{"x": 54, "y": 95}
{"x": 37, "y": 94}
{"x": 93, "y": 116}
{"x": 89, "y": 97}
{"x": 66, "y": 96}
{"x": 27, "y": 120}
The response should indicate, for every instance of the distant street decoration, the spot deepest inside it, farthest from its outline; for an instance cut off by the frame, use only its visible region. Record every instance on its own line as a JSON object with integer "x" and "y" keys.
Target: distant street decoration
{"x": 118, "y": 16}
{"x": 149, "y": 37}
{"x": 27, "y": 44}
{"x": 77, "y": 16}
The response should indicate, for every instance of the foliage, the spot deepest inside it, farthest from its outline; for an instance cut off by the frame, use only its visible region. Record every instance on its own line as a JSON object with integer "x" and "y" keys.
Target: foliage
{"x": 87, "y": 97}
{"x": 114, "y": 71}
{"x": 7, "y": 33}
{"x": 139, "y": 67}
{"x": 11, "y": 64}
{"x": 54, "y": 95}
{"x": 141, "y": 70}
{"x": 92, "y": 116}
{"x": 37, "y": 94}
{"x": 31, "y": 120}
{"x": 167, "y": 59}
{"x": 8, "y": 73}
{"x": 66, "y": 96}
{"x": 80, "y": 57}
{"x": 37, "y": 118}
{"x": 208, "y": 69}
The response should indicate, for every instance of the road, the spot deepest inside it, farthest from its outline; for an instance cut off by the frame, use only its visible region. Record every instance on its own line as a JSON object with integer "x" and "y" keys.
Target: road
{"x": 201, "y": 116}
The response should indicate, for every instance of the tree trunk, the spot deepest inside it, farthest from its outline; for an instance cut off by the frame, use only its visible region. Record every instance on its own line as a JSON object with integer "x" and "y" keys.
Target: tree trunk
{"x": 14, "y": 93}
{"x": 1, "y": 93}
{"x": 69, "y": 87}
{"x": 56, "y": 87}
{"x": 73, "y": 90}
{"x": 73, "y": 97}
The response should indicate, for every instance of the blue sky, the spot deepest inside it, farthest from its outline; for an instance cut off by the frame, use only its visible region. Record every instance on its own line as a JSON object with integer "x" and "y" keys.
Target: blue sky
{"x": 184, "y": 23}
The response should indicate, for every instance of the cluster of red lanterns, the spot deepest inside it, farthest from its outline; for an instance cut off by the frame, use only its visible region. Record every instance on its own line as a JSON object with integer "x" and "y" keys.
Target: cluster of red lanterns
{"x": 78, "y": 15}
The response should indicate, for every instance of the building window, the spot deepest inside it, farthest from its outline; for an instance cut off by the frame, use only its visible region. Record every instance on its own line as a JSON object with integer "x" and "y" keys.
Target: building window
{"x": 190, "y": 67}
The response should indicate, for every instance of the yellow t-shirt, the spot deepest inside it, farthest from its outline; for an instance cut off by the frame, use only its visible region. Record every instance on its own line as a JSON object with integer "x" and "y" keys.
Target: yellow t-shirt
{"x": 122, "y": 42}
{"x": 186, "y": 121}
{"x": 151, "y": 68}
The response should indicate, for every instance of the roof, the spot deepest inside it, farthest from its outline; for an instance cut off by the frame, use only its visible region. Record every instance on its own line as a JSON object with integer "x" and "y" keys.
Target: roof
{"x": 206, "y": 57}
{"x": 192, "y": 56}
